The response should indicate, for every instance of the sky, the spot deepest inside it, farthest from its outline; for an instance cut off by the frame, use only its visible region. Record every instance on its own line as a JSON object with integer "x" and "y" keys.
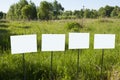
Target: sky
{"x": 67, "y": 4}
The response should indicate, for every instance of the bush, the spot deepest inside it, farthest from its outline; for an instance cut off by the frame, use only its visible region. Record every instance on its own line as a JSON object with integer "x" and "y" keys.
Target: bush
{"x": 74, "y": 26}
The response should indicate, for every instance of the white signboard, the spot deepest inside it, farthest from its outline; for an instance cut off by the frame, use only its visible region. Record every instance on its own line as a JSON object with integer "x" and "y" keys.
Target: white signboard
{"x": 78, "y": 40}
{"x": 53, "y": 42}
{"x": 104, "y": 41}
{"x": 23, "y": 44}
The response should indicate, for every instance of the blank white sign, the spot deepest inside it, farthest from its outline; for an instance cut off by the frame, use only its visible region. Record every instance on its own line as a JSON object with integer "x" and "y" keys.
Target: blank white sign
{"x": 53, "y": 42}
{"x": 23, "y": 44}
{"x": 78, "y": 40}
{"x": 104, "y": 41}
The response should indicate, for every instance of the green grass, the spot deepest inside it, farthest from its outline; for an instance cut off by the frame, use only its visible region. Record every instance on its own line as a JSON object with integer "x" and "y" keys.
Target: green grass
{"x": 64, "y": 63}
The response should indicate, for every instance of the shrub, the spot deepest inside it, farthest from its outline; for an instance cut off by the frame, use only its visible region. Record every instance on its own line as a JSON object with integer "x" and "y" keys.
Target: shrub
{"x": 74, "y": 26}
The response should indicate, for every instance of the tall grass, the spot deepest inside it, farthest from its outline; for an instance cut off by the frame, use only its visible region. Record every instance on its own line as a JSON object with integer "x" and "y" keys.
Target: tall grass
{"x": 64, "y": 63}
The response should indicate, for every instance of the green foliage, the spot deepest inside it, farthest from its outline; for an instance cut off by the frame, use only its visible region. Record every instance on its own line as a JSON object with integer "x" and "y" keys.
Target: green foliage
{"x": 115, "y": 12}
{"x": 33, "y": 10}
{"x": 66, "y": 15}
{"x": 45, "y": 10}
{"x": 10, "y": 14}
{"x": 4, "y": 34}
{"x": 26, "y": 12}
{"x": 87, "y": 13}
{"x": 54, "y": 10}
{"x": 22, "y": 10}
{"x": 57, "y": 9}
{"x": 93, "y": 14}
{"x": 64, "y": 63}
{"x": 78, "y": 14}
{"x": 29, "y": 12}
{"x": 108, "y": 10}
{"x": 74, "y": 26}
{"x": 102, "y": 12}
{"x": 2, "y": 15}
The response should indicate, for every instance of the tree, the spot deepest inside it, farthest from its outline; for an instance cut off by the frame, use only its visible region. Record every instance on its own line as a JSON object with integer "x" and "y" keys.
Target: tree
{"x": 33, "y": 10}
{"x": 87, "y": 13}
{"x": 22, "y": 10}
{"x": 57, "y": 8}
{"x": 81, "y": 13}
{"x": 66, "y": 15}
{"x": 11, "y": 12}
{"x": 22, "y": 3}
{"x": 1, "y": 15}
{"x": 4, "y": 16}
{"x": 77, "y": 14}
{"x": 18, "y": 10}
{"x": 26, "y": 12}
{"x": 115, "y": 12}
{"x": 93, "y": 14}
{"x": 45, "y": 10}
{"x": 29, "y": 11}
{"x": 102, "y": 12}
{"x": 15, "y": 10}
{"x": 108, "y": 10}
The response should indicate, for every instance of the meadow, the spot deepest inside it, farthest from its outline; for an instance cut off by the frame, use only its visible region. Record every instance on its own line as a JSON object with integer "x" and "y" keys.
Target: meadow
{"x": 64, "y": 63}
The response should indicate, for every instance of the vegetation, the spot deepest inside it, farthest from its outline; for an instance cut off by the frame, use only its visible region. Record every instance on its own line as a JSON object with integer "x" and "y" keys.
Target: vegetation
{"x": 28, "y": 10}
{"x": 64, "y": 63}
{"x": 57, "y": 21}
{"x": 2, "y": 15}
{"x": 74, "y": 26}
{"x": 24, "y": 10}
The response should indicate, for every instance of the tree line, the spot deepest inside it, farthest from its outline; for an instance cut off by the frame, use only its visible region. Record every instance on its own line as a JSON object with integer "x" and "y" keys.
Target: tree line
{"x": 103, "y": 12}
{"x": 28, "y": 10}
{"x": 24, "y": 10}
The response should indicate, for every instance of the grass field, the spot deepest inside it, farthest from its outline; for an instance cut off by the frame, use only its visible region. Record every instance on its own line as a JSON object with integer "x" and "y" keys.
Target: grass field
{"x": 64, "y": 63}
